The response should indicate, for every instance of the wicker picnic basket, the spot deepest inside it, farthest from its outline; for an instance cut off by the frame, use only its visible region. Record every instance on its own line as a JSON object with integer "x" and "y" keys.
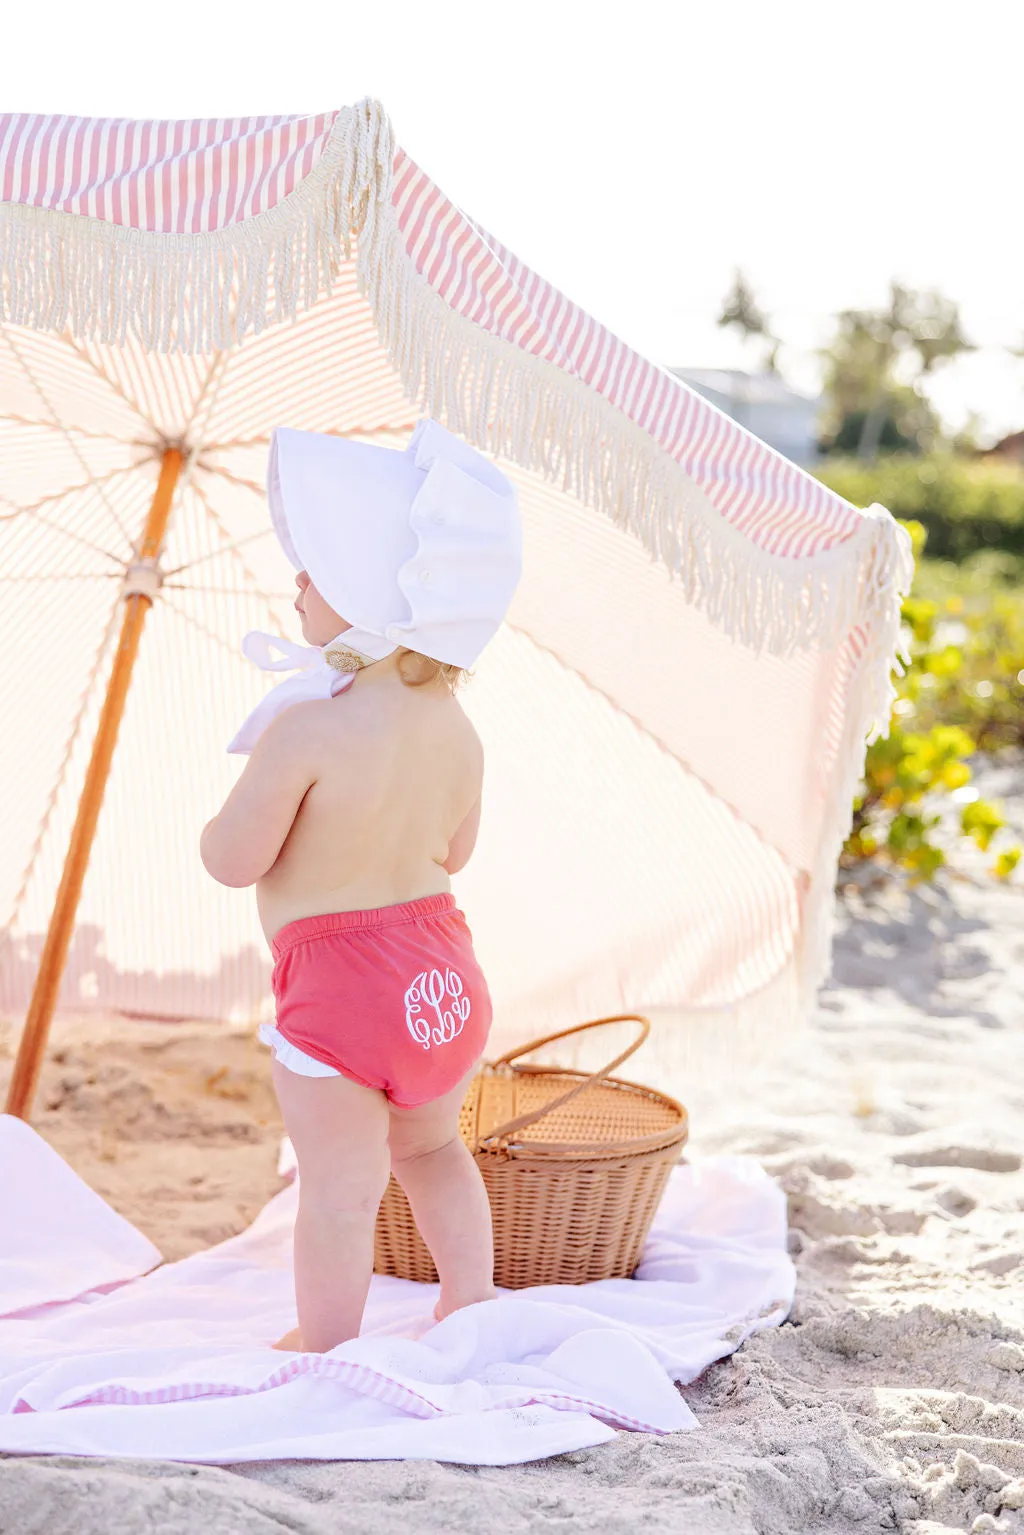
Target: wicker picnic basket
{"x": 575, "y": 1200}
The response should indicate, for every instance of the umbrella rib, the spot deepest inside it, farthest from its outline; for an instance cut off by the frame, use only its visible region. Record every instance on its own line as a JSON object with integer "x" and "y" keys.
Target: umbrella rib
{"x": 213, "y": 554}
{"x": 233, "y": 550}
{"x": 72, "y": 444}
{"x": 210, "y": 634}
{"x": 634, "y": 720}
{"x": 77, "y": 575}
{"x": 262, "y": 439}
{"x": 65, "y": 762}
{"x": 215, "y": 377}
{"x": 234, "y": 479}
{"x": 83, "y": 431}
{"x": 32, "y": 507}
{"x": 262, "y": 442}
{"x": 196, "y": 438}
{"x": 220, "y": 591}
{"x": 76, "y": 537}
{"x": 111, "y": 383}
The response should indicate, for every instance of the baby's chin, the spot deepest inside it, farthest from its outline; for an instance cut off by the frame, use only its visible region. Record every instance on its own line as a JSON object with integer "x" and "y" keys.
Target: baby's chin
{"x": 313, "y": 634}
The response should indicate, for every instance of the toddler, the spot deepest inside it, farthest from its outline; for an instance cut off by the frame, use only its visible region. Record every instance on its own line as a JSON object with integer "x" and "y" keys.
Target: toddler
{"x": 361, "y": 797}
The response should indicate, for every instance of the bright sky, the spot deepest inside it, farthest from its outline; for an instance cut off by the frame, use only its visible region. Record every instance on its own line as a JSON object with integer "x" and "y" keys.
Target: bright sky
{"x": 635, "y": 153}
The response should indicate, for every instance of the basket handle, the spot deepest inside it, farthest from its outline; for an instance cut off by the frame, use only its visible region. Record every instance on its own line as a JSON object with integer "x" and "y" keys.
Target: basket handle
{"x": 597, "y": 1076}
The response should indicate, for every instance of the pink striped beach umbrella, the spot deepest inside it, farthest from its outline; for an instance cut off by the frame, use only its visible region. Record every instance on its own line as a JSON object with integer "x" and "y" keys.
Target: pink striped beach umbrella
{"x": 675, "y": 713}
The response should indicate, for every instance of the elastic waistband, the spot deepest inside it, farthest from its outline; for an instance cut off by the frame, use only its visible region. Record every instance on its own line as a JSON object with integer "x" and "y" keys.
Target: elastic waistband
{"x": 323, "y": 925}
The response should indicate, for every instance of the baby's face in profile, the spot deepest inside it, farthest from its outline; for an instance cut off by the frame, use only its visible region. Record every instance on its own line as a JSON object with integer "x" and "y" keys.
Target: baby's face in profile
{"x": 320, "y": 623}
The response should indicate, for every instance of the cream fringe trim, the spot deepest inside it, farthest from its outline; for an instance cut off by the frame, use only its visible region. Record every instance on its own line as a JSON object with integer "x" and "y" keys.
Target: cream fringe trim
{"x": 688, "y": 1046}
{"x": 188, "y": 293}
{"x": 204, "y": 293}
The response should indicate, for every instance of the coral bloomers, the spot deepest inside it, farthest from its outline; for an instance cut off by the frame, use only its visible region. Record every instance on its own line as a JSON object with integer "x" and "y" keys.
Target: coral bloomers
{"x": 392, "y": 998}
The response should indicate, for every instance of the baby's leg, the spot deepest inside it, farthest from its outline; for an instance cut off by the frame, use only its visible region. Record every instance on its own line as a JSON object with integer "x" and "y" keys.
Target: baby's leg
{"x": 447, "y": 1196}
{"x": 339, "y": 1131}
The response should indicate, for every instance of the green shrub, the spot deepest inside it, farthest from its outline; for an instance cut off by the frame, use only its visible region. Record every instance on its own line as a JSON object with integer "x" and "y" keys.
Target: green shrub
{"x": 963, "y": 691}
{"x": 966, "y": 626}
{"x": 963, "y": 504}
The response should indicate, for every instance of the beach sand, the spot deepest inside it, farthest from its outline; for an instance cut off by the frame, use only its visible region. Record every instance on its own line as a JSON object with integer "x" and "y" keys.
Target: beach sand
{"x": 175, "y": 1124}
{"x": 892, "y": 1400}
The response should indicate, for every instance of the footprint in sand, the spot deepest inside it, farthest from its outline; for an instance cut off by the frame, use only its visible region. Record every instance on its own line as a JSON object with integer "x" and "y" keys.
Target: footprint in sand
{"x": 955, "y": 1201}
{"x": 999, "y": 1264}
{"x": 984, "y": 1158}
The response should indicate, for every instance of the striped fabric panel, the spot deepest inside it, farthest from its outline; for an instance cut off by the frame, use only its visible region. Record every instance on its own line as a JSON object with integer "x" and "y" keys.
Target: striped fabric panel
{"x": 200, "y": 176}
{"x": 169, "y": 177}
{"x": 358, "y": 1377}
{"x": 392, "y": 1391}
{"x": 776, "y": 504}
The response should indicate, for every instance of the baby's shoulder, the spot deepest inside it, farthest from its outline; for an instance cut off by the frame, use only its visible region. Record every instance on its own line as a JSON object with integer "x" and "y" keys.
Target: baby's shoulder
{"x": 304, "y": 727}
{"x": 440, "y": 730}
{"x": 463, "y": 731}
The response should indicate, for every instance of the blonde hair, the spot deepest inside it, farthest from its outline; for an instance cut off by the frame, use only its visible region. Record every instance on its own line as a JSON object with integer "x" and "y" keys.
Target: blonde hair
{"x": 429, "y": 671}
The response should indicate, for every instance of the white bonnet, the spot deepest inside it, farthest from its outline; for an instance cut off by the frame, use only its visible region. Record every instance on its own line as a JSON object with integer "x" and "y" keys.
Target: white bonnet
{"x": 418, "y": 546}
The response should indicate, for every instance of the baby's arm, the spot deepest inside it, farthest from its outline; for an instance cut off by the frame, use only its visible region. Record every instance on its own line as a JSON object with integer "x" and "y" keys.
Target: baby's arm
{"x": 243, "y": 840}
{"x": 463, "y": 841}
{"x": 462, "y": 844}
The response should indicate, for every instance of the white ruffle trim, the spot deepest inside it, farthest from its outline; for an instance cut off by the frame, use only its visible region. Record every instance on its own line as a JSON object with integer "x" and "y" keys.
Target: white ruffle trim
{"x": 291, "y": 1056}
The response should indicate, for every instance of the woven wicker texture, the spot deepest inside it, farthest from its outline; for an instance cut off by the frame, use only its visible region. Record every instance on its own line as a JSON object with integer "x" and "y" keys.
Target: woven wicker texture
{"x": 574, "y": 1165}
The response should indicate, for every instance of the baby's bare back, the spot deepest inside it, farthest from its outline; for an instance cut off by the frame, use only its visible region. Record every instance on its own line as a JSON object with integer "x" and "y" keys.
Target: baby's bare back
{"x": 395, "y": 772}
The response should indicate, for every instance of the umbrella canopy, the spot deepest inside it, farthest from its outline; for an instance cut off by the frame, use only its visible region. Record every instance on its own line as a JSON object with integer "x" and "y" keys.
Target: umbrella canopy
{"x": 675, "y": 713}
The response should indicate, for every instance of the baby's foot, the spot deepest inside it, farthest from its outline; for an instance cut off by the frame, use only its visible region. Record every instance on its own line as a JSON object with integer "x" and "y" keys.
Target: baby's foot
{"x": 445, "y": 1308}
{"x": 291, "y": 1342}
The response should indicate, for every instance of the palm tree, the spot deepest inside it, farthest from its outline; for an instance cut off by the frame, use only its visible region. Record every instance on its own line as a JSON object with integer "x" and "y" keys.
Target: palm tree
{"x": 741, "y": 310}
{"x": 879, "y": 357}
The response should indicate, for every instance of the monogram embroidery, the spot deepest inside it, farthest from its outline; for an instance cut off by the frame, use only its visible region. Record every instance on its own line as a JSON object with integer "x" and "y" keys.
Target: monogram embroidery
{"x": 436, "y": 1007}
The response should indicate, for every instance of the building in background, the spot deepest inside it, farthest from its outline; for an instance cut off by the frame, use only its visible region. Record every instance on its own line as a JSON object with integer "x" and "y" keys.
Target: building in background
{"x": 763, "y": 403}
{"x": 1010, "y": 449}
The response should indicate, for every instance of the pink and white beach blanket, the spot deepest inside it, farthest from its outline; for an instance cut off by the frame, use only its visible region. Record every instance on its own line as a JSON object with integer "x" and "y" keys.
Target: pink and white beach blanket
{"x": 104, "y": 1351}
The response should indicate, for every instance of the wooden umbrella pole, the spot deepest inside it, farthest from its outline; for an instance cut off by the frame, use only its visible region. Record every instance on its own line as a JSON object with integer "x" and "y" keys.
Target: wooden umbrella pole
{"x": 137, "y": 602}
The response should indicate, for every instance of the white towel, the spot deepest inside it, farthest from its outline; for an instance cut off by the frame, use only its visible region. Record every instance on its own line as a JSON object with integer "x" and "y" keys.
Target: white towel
{"x": 177, "y": 1364}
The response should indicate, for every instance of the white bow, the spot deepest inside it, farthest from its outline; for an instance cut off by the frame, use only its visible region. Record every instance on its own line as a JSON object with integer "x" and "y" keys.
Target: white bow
{"x": 315, "y": 679}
